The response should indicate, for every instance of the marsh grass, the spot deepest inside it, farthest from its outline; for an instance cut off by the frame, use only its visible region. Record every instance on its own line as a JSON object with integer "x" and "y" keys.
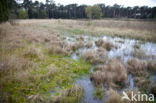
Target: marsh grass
{"x": 28, "y": 73}
{"x": 95, "y": 57}
{"x": 107, "y": 45}
{"x": 136, "y": 67}
{"x": 113, "y": 97}
{"x": 113, "y": 74}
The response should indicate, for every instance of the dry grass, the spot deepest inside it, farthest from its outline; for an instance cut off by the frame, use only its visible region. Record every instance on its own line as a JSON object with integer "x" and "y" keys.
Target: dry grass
{"x": 137, "y": 29}
{"x": 137, "y": 46}
{"x": 73, "y": 91}
{"x": 78, "y": 45}
{"x": 80, "y": 38}
{"x": 90, "y": 55}
{"x": 113, "y": 74}
{"x": 142, "y": 83}
{"x": 89, "y": 44}
{"x": 152, "y": 66}
{"x": 95, "y": 57}
{"x": 26, "y": 73}
{"x": 136, "y": 67}
{"x": 107, "y": 45}
{"x": 113, "y": 97}
{"x": 56, "y": 50}
{"x": 153, "y": 89}
{"x": 139, "y": 53}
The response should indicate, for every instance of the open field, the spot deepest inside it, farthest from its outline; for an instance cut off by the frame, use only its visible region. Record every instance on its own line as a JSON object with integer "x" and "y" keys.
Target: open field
{"x": 137, "y": 29}
{"x": 42, "y": 61}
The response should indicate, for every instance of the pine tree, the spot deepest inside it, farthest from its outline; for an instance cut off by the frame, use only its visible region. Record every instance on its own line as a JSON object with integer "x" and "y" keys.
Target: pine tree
{"x": 4, "y": 12}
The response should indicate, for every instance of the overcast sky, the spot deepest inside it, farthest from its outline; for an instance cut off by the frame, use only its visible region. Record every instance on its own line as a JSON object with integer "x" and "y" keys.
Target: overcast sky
{"x": 107, "y": 2}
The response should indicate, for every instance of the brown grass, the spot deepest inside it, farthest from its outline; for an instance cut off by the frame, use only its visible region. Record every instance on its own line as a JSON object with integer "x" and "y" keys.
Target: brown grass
{"x": 112, "y": 74}
{"x": 136, "y": 67}
{"x": 139, "y": 53}
{"x": 71, "y": 93}
{"x": 113, "y": 97}
{"x": 90, "y": 55}
{"x": 153, "y": 89}
{"x": 137, "y": 46}
{"x": 78, "y": 45}
{"x": 95, "y": 57}
{"x": 142, "y": 83}
{"x": 89, "y": 44}
{"x": 107, "y": 45}
{"x": 137, "y": 29}
{"x": 152, "y": 66}
{"x": 56, "y": 50}
{"x": 80, "y": 38}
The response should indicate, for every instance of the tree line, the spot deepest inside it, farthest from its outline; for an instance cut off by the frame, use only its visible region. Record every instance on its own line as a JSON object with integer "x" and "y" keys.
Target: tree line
{"x": 38, "y": 10}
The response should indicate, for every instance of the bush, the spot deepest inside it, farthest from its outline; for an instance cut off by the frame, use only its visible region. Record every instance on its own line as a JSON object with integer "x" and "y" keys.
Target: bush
{"x": 22, "y": 14}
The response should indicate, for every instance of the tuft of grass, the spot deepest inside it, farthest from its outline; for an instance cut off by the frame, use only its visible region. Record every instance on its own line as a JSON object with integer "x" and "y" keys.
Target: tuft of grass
{"x": 152, "y": 66}
{"x": 139, "y": 53}
{"x": 99, "y": 92}
{"x": 89, "y": 44}
{"x": 153, "y": 89}
{"x": 95, "y": 57}
{"x": 136, "y": 67}
{"x": 113, "y": 97}
{"x": 113, "y": 74}
{"x": 107, "y": 45}
{"x": 72, "y": 94}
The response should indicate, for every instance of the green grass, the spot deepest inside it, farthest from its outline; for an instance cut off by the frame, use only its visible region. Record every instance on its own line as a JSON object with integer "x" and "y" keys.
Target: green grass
{"x": 41, "y": 80}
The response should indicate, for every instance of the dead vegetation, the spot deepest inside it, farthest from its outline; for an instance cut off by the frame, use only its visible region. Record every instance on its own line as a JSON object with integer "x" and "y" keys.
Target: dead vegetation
{"x": 137, "y": 46}
{"x": 136, "y": 67}
{"x": 18, "y": 57}
{"x": 107, "y": 45}
{"x": 139, "y": 53}
{"x": 113, "y": 97}
{"x": 142, "y": 83}
{"x": 113, "y": 74}
{"x": 89, "y": 44}
{"x": 153, "y": 89}
{"x": 95, "y": 57}
{"x": 73, "y": 94}
{"x": 152, "y": 66}
{"x": 25, "y": 56}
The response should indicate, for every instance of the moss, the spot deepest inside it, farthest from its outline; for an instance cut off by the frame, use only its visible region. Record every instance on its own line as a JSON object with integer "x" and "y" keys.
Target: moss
{"x": 41, "y": 79}
{"x": 99, "y": 93}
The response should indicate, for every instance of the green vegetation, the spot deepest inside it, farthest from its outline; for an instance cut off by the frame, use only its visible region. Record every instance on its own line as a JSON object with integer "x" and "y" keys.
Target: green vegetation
{"x": 33, "y": 76}
{"x": 22, "y": 14}
{"x": 4, "y": 12}
{"x": 99, "y": 93}
{"x": 94, "y": 12}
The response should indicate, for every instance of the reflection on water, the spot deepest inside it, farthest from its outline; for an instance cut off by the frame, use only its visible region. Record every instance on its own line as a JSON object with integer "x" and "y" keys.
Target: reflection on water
{"x": 124, "y": 51}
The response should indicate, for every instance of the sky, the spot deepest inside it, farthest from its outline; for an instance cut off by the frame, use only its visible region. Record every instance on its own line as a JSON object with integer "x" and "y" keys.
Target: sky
{"x": 125, "y": 3}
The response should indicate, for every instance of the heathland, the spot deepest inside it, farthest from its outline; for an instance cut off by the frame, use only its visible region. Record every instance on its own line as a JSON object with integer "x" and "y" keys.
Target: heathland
{"x": 41, "y": 60}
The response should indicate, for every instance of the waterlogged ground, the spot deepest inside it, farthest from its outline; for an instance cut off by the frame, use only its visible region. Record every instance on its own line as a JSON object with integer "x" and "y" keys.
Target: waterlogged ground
{"x": 61, "y": 61}
{"x": 124, "y": 50}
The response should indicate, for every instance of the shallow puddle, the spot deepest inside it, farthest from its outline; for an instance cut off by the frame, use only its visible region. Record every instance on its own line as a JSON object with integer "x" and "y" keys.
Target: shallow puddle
{"x": 123, "y": 52}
